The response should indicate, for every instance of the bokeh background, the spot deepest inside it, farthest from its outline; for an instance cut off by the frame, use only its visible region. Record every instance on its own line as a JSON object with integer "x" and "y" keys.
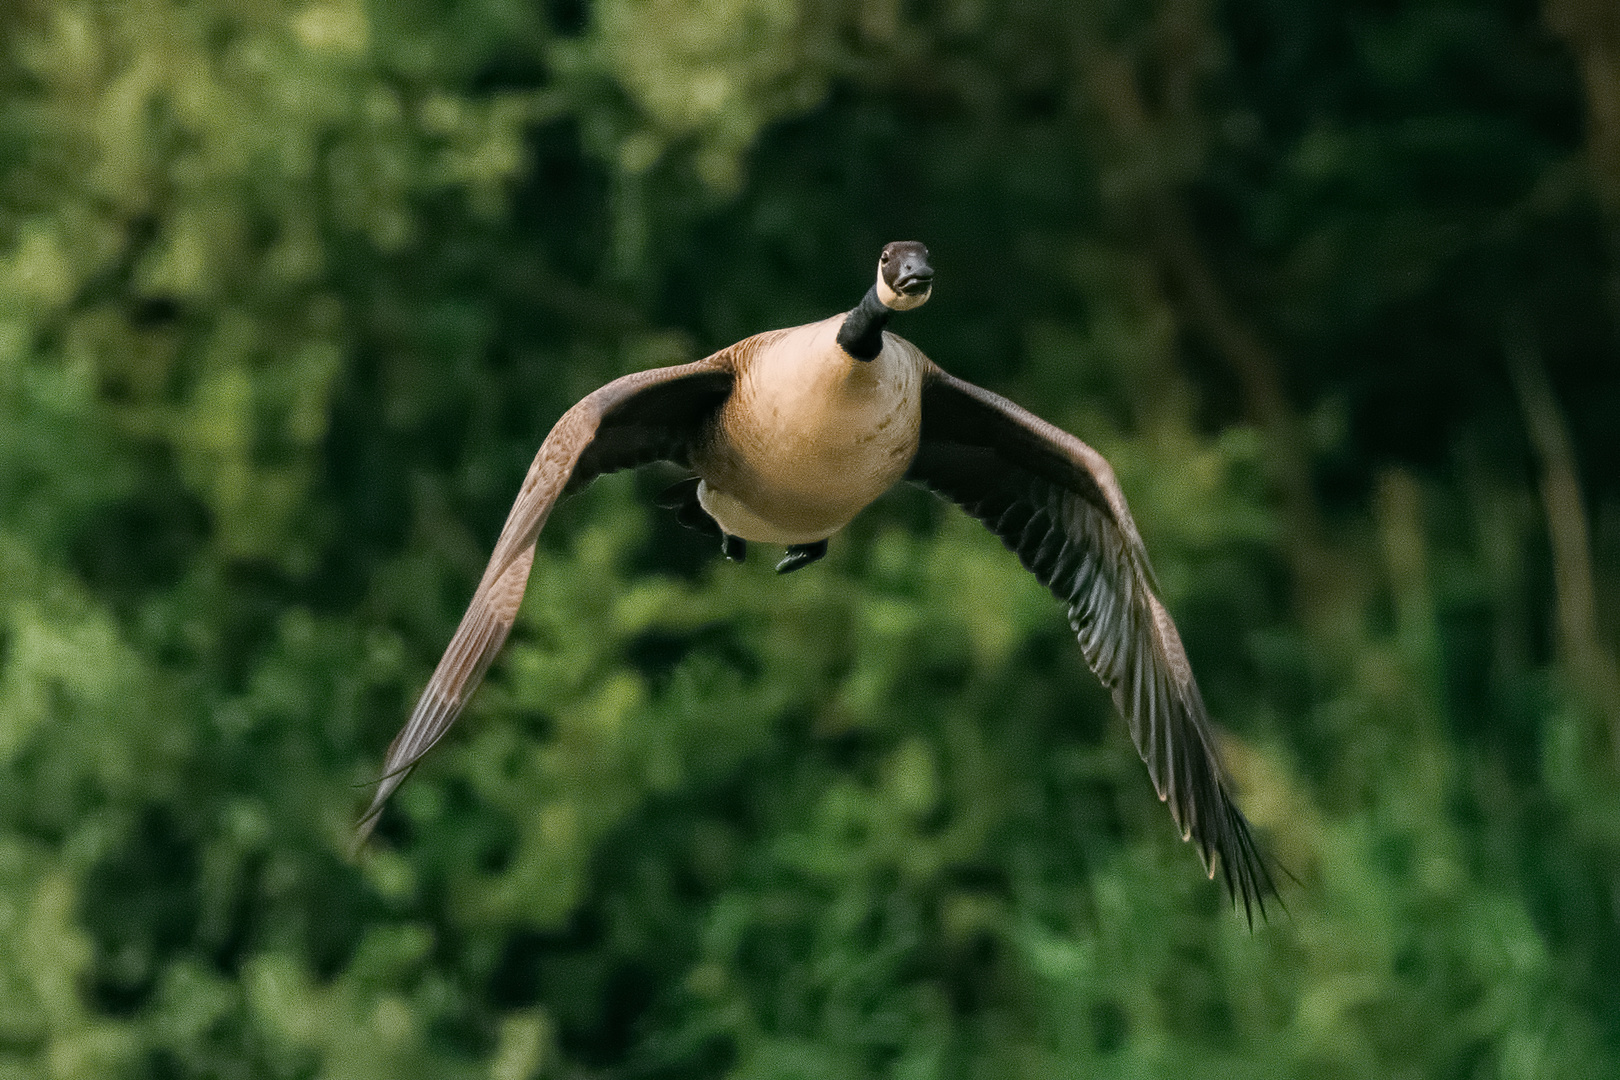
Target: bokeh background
{"x": 291, "y": 292}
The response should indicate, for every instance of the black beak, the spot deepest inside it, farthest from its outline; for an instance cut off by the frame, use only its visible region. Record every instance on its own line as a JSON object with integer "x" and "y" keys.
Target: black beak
{"x": 914, "y": 276}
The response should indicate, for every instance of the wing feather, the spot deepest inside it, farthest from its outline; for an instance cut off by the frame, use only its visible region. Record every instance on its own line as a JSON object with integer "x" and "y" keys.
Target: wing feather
{"x": 633, "y": 420}
{"x": 1055, "y": 503}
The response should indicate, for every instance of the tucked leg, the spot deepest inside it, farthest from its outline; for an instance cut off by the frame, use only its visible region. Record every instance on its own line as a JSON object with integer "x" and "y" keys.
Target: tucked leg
{"x": 697, "y": 519}
{"x": 800, "y": 555}
{"x": 682, "y": 498}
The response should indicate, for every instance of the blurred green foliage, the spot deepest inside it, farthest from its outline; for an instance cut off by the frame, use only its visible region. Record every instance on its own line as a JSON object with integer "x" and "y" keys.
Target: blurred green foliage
{"x": 290, "y": 292}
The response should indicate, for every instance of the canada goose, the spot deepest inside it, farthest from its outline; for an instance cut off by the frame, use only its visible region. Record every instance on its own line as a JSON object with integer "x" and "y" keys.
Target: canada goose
{"x": 791, "y": 433}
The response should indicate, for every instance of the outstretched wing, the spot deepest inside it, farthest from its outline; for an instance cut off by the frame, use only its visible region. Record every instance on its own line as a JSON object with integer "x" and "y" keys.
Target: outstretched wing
{"x": 643, "y": 417}
{"x": 1054, "y": 502}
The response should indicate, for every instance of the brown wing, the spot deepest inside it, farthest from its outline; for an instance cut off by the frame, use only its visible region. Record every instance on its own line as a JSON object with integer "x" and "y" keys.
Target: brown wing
{"x": 1054, "y": 502}
{"x": 643, "y": 417}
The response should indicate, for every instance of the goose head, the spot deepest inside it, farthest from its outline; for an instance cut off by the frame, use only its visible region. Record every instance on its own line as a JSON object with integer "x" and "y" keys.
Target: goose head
{"x": 904, "y": 278}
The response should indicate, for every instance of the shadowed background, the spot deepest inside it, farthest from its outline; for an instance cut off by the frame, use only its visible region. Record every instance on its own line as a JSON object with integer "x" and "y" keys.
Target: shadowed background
{"x": 291, "y": 292}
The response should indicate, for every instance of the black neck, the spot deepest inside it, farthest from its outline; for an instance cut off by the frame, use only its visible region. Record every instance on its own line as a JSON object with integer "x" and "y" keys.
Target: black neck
{"x": 862, "y": 333}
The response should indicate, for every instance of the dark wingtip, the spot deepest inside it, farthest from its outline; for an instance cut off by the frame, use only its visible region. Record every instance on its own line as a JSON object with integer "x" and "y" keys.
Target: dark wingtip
{"x": 386, "y": 786}
{"x": 1246, "y": 869}
{"x": 364, "y": 828}
{"x": 362, "y": 833}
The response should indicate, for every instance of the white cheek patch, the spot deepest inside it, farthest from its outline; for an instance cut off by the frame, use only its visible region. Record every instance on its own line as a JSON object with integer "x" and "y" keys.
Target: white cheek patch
{"x": 898, "y": 301}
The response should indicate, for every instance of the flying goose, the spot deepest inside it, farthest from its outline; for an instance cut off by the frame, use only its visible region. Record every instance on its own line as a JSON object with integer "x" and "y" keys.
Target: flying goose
{"x": 790, "y": 434}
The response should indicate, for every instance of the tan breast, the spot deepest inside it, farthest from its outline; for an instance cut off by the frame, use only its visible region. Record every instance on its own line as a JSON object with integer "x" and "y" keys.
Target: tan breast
{"x": 810, "y": 436}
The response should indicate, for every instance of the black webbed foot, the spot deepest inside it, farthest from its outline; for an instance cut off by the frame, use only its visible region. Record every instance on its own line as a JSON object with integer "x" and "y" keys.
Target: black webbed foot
{"x": 801, "y": 555}
{"x": 735, "y": 547}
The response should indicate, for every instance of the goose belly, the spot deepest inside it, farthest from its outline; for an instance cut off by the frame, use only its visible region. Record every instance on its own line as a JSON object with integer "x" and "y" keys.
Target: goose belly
{"x": 810, "y": 438}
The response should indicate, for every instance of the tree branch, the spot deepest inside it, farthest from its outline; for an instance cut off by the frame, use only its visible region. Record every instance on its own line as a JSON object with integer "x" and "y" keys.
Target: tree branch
{"x": 1591, "y": 665}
